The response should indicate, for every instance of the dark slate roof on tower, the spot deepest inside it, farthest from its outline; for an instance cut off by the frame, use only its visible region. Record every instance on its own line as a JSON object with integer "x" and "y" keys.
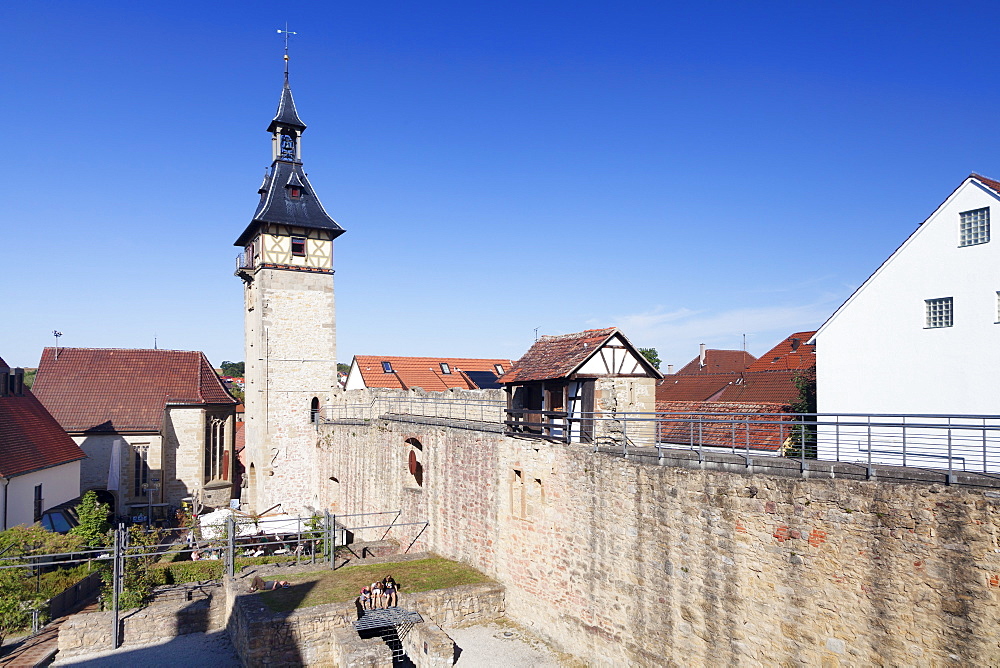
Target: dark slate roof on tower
{"x": 287, "y": 115}
{"x": 278, "y": 206}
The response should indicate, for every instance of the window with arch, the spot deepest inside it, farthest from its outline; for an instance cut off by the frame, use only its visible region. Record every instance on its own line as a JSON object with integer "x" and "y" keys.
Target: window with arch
{"x": 216, "y": 454}
{"x": 414, "y": 463}
{"x": 314, "y": 410}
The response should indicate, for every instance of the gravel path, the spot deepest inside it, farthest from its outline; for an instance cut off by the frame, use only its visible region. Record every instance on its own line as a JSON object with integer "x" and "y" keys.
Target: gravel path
{"x": 489, "y": 645}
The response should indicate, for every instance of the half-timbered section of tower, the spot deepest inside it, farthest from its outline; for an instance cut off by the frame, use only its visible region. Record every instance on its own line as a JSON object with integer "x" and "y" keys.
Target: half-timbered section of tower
{"x": 289, "y": 326}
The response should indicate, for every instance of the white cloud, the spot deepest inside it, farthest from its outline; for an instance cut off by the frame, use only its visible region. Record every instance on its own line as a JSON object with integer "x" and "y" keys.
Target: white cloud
{"x": 676, "y": 334}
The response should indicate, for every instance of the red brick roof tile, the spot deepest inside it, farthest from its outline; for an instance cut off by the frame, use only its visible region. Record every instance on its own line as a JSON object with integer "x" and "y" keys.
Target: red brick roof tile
{"x": 774, "y": 387}
{"x": 719, "y": 361}
{"x": 123, "y": 390}
{"x": 425, "y": 372}
{"x": 989, "y": 183}
{"x": 792, "y": 353}
{"x": 730, "y": 426}
{"x": 695, "y": 387}
{"x": 30, "y": 438}
{"x": 553, "y": 357}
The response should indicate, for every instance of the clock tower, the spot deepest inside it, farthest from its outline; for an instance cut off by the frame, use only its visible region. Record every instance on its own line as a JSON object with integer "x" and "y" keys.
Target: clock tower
{"x": 289, "y": 325}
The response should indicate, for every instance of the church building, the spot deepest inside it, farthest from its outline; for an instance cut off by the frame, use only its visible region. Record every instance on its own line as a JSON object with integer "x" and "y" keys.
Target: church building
{"x": 289, "y": 326}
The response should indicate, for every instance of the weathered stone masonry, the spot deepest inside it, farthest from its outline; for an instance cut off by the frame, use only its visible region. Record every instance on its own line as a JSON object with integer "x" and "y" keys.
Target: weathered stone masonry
{"x": 623, "y": 562}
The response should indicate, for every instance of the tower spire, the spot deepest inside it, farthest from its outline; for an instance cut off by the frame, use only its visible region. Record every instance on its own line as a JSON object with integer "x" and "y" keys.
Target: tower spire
{"x": 286, "y": 32}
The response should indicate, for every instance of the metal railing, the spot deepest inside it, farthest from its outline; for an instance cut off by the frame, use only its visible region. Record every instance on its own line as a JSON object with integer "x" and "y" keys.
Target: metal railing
{"x": 949, "y": 442}
{"x": 468, "y": 409}
{"x": 238, "y": 540}
{"x": 244, "y": 261}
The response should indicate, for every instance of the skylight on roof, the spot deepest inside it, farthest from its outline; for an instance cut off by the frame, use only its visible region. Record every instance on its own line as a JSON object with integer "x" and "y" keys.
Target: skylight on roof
{"x": 445, "y": 368}
{"x": 386, "y": 367}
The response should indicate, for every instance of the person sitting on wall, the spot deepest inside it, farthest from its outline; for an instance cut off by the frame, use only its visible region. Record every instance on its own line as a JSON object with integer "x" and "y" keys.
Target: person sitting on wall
{"x": 390, "y": 589}
{"x": 376, "y": 594}
{"x": 366, "y": 598}
{"x": 260, "y": 584}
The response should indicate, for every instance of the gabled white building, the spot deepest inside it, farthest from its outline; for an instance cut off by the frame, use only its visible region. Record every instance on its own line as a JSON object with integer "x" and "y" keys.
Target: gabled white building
{"x": 921, "y": 336}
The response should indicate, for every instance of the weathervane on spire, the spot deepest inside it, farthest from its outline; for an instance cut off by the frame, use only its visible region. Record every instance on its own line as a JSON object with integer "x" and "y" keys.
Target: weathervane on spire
{"x": 286, "y": 32}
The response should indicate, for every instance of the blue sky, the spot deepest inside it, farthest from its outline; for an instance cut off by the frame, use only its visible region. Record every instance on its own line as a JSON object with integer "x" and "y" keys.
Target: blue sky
{"x": 690, "y": 172}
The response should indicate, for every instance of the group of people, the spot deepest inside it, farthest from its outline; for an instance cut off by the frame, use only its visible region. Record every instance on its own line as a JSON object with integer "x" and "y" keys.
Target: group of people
{"x": 382, "y": 594}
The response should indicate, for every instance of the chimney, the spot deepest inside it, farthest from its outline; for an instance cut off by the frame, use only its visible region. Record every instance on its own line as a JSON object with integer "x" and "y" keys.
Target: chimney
{"x": 670, "y": 369}
{"x": 701, "y": 356}
{"x": 795, "y": 344}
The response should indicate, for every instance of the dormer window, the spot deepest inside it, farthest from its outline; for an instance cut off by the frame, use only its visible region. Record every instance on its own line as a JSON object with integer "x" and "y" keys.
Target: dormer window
{"x": 298, "y": 247}
{"x": 445, "y": 368}
{"x": 295, "y": 192}
{"x": 386, "y": 367}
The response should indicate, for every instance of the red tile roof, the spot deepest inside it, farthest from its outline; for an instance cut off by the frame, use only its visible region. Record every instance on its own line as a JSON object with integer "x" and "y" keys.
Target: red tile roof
{"x": 731, "y": 425}
{"x": 121, "y": 390}
{"x": 695, "y": 387}
{"x": 240, "y": 442}
{"x": 719, "y": 361}
{"x": 792, "y": 353}
{"x": 774, "y": 387}
{"x": 30, "y": 438}
{"x": 989, "y": 183}
{"x": 553, "y": 357}
{"x": 425, "y": 372}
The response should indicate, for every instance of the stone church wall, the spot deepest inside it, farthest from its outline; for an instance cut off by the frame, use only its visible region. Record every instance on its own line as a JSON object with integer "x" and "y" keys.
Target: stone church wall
{"x": 620, "y": 562}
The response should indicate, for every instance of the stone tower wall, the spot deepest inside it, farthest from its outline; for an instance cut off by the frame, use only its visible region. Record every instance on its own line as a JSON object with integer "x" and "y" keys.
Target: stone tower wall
{"x": 291, "y": 354}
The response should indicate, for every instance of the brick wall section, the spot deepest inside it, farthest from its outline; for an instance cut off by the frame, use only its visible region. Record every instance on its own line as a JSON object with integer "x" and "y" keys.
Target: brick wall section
{"x": 621, "y": 562}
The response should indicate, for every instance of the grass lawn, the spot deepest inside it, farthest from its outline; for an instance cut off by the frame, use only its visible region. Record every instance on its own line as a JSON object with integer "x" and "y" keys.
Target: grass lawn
{"x": 344, "y": 584}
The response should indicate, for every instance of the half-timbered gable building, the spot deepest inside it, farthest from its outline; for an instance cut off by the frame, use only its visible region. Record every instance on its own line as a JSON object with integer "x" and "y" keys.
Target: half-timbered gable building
{"x": 558, "y": 388}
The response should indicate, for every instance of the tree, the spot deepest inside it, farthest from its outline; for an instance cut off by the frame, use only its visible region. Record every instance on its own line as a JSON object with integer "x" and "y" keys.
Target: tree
{"x": 139, "y": 554}
{"x": 803, "y": 438}
{"x": 18, "y": 593}
{"x": 93, "y": 517}
{"x": 343, "y": 368}
{"x": 651, "y": 356}
{"x": 234, "y": 369}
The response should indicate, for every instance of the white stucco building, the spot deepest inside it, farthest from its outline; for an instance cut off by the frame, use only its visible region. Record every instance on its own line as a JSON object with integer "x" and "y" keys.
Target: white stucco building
{"x": 921, "y": 336}
{"x": 39, "y": 462}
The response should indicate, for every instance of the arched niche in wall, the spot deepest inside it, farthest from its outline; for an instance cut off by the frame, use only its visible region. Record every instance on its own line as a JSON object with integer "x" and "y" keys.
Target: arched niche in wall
{"x": 414, "y": 463}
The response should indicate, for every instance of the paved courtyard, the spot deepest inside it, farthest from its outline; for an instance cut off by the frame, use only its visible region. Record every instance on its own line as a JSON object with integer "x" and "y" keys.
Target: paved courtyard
{"x": 479, "y": 646}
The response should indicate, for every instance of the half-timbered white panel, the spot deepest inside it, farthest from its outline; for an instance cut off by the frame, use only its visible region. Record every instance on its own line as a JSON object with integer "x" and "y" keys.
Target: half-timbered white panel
{"x": 613, "y": 358}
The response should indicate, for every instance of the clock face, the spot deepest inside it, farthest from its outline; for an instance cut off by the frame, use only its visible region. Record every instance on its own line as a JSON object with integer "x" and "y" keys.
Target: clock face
{"x": 287, "y": 147}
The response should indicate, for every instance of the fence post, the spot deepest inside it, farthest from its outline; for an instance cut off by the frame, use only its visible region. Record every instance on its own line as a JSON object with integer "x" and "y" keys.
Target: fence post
{"x": 333, "y": 541}
{"x": 802, "y": 447}
{"x": 231, "y": 546}
{"x": 115, "y": 577}
{"x": 951, "y": 477}
{"x": 871, "y": 473}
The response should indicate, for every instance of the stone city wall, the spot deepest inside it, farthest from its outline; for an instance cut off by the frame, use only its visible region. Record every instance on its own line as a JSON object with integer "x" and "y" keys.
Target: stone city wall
{"x": 310, "y": 636}
{"x": 625, "y": 563}
{"x": 91, "y": 632}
